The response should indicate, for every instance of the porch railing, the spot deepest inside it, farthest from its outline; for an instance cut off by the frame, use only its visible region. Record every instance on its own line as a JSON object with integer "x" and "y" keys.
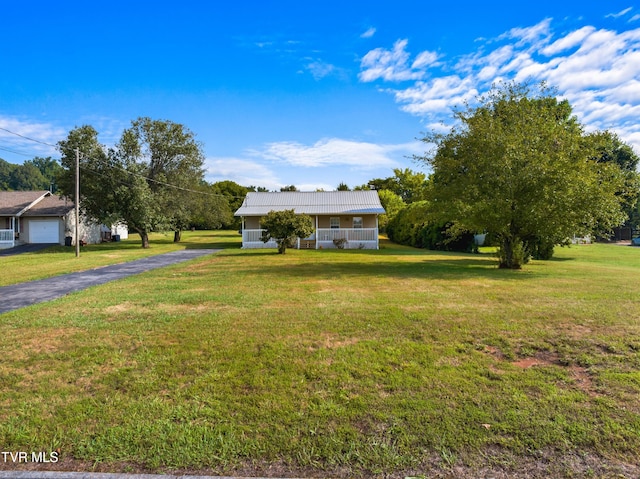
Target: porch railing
{"x": 349, "y": 234}
{"x": 322, "y": 238}
{"x": 253, "y": 239}
{"x": 7, "y": 238}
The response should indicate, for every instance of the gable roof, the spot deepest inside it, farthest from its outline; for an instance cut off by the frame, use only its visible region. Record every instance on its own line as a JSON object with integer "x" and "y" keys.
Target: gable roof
{"x": 14, "y": 203}
{"x": 312, "y": 203}
{"x": 32, "y": 203}
{"x": 51, "y": 205}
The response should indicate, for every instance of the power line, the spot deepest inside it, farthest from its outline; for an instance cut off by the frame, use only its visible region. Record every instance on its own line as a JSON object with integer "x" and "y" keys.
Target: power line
{"x": 27, "y": 138}
{"x": 16, "y": 152}
{"x": 220, "y": 195}
{"x": 129, "y": 172}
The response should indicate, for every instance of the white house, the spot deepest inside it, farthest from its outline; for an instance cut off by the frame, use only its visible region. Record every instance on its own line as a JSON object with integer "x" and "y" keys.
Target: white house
{"x": 348, "y": 217}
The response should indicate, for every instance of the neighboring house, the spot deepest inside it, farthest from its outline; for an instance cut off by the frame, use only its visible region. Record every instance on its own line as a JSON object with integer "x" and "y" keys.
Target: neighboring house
{"x": 28, "y": 217}
{"x": 348, "y": 217}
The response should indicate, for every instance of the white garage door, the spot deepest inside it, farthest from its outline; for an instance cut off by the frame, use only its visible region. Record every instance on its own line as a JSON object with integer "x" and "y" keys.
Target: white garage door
{"x": 44, "y": 231}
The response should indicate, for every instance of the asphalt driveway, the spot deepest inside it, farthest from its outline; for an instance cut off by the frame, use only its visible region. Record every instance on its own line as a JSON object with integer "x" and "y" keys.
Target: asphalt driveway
{"x": 20, "y": 295}
{"x": 25, "y": 248}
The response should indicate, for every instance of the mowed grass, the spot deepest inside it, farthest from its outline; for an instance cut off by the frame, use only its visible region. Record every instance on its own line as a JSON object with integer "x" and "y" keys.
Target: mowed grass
{"x": 392, "y": 363}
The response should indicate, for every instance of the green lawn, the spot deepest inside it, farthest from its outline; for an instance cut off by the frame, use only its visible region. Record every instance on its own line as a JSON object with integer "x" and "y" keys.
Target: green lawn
{"x": 389, "y": 363}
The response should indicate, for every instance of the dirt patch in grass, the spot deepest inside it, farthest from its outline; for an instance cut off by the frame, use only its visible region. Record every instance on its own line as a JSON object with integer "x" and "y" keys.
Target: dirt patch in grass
{"x": 581, "y": 377}
{"x": 527, "y": 363}
{"x": 46, "y": 342}
{"x": 120, "y": 308}
{"x": 327, "y": 341}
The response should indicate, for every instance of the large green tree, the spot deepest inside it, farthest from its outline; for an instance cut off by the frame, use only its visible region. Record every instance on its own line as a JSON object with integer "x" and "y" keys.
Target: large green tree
{"x": 609, "y": 148}
{"x": 285, "y": 227}
{"x": 149, "y": 180}
{"x": 518, "y": 165}
{"x": 172, "y": 161}
{"x": 111, "y": 189}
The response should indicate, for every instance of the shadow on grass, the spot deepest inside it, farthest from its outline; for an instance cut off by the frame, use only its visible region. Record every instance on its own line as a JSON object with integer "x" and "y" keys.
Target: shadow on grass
{"x": 432, "y": 267}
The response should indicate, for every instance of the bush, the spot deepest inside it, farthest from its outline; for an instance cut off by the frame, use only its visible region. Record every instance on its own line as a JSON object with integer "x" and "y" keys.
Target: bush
{"x": 412, "y": 227}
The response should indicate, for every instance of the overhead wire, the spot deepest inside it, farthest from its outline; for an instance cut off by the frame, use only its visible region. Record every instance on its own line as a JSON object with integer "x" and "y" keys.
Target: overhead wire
{"x": 16, "y": 152}
{"x": 28, "y": 138}
{"x": 57, "y": 147}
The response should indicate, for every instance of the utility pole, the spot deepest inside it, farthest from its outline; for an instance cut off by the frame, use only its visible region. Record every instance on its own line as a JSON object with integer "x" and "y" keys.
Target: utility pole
{"x": 77, "y": 203}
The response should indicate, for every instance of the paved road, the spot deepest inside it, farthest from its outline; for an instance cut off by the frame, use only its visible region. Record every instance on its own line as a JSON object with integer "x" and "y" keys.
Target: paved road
{"x": 25, "y": 294}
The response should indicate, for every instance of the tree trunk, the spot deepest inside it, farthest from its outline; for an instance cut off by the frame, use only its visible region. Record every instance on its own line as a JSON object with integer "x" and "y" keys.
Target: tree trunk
{"x": 177, "y": 236}
{"x": 511, "y": 253}
{"x": 144, "y": 235}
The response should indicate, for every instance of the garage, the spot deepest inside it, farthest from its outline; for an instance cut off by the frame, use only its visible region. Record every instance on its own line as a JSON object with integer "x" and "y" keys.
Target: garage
{"x": 44, "y": 231}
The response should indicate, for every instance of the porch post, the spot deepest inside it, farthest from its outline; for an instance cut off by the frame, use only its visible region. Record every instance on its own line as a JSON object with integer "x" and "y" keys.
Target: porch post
{"x": 316, "y": 231}
{"x": 377, "y": 233}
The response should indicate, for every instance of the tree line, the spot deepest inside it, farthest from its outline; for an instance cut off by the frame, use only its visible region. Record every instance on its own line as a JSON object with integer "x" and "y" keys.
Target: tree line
{"x": 37, "y": 174}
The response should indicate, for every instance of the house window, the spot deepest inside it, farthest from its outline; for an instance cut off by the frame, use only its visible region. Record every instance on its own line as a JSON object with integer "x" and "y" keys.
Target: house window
{"x": 357, "y": 221}
{"x": 334, "y": 222}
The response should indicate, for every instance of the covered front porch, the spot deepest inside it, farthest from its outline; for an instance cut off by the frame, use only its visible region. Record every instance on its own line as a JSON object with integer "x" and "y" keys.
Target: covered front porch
{"x": 8, "y": 235}
{"x": 323, "y": 238}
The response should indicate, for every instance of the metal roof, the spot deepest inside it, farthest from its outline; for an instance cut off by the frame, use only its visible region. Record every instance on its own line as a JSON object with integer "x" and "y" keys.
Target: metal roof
{"x": 312, "y": 203}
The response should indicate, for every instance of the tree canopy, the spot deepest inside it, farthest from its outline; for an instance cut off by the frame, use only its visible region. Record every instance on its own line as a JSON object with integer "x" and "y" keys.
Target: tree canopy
{"x": 150, "y": 180}
{"x": 407, "y": 184}
{"x": 519, "y": 165}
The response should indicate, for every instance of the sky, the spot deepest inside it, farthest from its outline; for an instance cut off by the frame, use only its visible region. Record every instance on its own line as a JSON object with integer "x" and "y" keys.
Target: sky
{"x": 313, "y": 93}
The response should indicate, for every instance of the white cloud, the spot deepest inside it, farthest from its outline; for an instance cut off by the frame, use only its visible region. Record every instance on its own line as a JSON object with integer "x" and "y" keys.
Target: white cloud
{"x": 535, "y": 34}
{"x": 331, "y": 152}
{"x": 569, "y": 41}
{"x": 369, "y": 33}
{"x": 436, "y": 96}
{"x": 595, "y": 69}
{"x": 393, "y": 65}
{"x": 619, "y": 14}
{"x": 21, "y": 135}
{"x": 332, "y": 158}
{"x": 242, "y": 171}
{"x": 424, "y": 59}
{"x": 320, "y": 69}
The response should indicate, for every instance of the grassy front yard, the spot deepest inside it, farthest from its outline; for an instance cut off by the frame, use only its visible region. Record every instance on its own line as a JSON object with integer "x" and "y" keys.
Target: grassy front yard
{"x": 392, "y": 363}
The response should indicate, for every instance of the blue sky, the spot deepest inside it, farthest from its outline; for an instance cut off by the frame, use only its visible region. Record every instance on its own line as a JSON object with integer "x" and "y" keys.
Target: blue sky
{"x": 308, "y": 93}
